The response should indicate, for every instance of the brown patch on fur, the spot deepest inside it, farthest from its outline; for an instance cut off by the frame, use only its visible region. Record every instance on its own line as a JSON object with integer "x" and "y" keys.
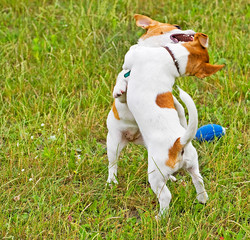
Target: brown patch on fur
{"x": 158, "y": 29}
{"x": 115, "y": 111}
{"x": 130, "y": 136}
{"x": 165, "y": 100}
{"x": 154, "y": 28}
{"x": 198, "y": 59}
{"x": 173, "y": 153}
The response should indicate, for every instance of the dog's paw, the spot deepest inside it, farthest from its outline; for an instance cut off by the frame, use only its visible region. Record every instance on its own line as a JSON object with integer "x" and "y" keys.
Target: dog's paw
{"x": 118, "y": 93}
{"x": 120, "y": 89}
{"x": 162, "y": 214}
{"x": 172, "y": 178}
{"x": 202, "y": 197}
{"x": 111, "y": 181}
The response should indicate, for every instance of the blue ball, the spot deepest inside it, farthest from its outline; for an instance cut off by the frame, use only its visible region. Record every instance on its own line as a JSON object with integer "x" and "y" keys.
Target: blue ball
{"x": 210, "y": 132}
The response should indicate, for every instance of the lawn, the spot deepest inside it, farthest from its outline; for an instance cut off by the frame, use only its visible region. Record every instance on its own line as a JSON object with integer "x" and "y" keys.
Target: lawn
{"x": 58, "y": 63}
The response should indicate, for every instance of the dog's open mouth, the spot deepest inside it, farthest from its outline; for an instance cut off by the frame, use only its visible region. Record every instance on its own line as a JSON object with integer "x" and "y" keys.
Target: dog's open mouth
{"x": 182, "y": 38}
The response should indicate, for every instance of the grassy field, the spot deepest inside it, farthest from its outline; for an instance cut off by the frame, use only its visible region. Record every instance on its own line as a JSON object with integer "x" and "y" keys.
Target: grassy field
{"x": 58, "y": 64}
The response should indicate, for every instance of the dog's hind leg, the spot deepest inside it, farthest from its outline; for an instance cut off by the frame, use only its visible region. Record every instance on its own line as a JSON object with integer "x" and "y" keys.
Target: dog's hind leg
{"x": 158, "y": 184}
{"x": 197, "y": 179}
{"x": 115, "y": 143}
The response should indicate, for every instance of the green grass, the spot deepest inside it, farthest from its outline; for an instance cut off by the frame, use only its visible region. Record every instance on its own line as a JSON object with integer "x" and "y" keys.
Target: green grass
{"x": 58, "y": 64}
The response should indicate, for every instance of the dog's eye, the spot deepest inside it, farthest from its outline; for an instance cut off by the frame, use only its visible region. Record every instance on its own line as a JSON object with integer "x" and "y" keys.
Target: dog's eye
{"x": 182, "y": 152}
{"x": 177, "y": 26}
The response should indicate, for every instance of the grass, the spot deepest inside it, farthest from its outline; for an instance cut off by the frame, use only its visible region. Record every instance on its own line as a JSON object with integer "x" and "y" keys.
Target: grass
{"x": 58, "y": 64}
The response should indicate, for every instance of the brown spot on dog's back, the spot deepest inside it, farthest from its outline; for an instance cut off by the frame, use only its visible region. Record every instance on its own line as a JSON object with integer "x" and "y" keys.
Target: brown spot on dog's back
{"x": 115, "y": 111}
{"x": 165, "y": 100}
{"x": 173, "y": 153}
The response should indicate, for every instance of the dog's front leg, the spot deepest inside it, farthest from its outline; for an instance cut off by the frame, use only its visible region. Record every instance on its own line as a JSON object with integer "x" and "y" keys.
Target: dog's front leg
{"x": 120, "y": 88}
{"x": 123, "y": 77}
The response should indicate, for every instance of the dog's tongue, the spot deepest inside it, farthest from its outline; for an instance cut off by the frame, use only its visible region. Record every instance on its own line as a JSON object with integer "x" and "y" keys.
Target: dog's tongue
{"x": 175, "y": 40}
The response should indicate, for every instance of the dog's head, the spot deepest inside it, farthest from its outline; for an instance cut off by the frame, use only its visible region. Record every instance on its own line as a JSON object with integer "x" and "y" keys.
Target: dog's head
{"x": 159, "y": 34}
{"x": 198, "y": 60}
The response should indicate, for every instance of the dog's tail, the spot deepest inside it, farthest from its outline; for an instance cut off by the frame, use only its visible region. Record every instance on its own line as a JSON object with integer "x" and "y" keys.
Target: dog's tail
{"x": 191, "y": 129}
{"x": 193, "y": 118}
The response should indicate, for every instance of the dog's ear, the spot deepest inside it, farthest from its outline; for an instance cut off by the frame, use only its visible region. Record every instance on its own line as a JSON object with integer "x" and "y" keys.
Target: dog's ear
{"x": 144, "y": 21}
{"x": 208, "y": 69}
{"x": 202, "y": 39}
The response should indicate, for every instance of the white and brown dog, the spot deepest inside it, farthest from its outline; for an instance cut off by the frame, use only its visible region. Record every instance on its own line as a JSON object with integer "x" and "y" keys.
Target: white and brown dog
{"x": 149, "y": 98}
{"x": 122, "y": 127}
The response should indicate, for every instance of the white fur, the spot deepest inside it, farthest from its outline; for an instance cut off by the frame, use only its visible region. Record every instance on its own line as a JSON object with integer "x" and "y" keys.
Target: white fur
{"x": 117, "y": 129}
{"x": 153, "y": 72}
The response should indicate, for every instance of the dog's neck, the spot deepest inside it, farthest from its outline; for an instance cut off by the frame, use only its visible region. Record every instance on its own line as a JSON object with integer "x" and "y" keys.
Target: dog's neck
{"x": 179, "y": 56}
{"x": 174, "y": 59}
{"x": 178, "y": 52}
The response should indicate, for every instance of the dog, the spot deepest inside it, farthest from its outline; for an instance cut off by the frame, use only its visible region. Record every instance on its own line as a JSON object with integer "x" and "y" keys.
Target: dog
{"x": 150, "y": 100}
{"x": 122, "y": 127}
